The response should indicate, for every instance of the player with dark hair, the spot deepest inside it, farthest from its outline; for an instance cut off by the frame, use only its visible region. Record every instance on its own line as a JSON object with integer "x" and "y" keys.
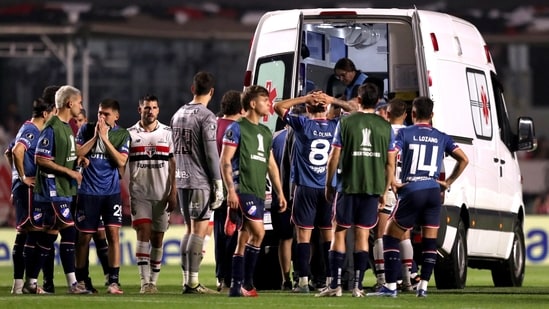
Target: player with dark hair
{"x": 362, "y": 149}
{"x": 198, "y": 179}
{"x": 224, "y": 228}
{"x": 246, "y": 158}
{"x": 152, "y": 189}
{"x": 419, "y": 193}
{"x": 312, "y": 138}
{"x": 106, "y": 145}
{"x": 20, "y": 155}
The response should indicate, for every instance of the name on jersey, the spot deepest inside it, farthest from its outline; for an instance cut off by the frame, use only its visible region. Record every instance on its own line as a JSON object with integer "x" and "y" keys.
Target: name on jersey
{"x": 366, "y": 152}
{"x": 100, "y": 156}
{"x": 428, "y": 139}
{"x": 258, "y": 158}
{"x": 318, "y": 169}
{"x": 150, "y": 165}
{"x": 322, "y": 134}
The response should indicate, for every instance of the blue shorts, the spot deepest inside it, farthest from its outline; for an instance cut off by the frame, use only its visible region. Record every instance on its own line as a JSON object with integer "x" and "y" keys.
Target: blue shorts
{"x": 22, "y": 200}
{"x": 252, "y": 207}
{"x": 421, "y": 207}
{"x": 93, "y": 210}
{"x": 282, "y": 223}
{"x": 51, "y": 215}
{"x": 357, "y": 209}
{"x": 311, "y": 209}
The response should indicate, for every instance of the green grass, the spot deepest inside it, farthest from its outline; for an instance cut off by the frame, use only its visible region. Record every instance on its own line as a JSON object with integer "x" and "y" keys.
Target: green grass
{"x": 479, "y": 294}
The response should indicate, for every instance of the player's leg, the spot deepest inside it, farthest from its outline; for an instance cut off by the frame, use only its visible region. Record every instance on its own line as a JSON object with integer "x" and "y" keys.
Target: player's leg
{"x": 112, "y": 216}
{"x": 160, "y": 225}
{"x": 142, "y": 223}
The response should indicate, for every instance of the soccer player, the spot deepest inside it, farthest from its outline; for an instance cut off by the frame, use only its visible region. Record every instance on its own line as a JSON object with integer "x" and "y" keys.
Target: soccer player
{"x": 245, "y": 159}
{"x": 55, "y": 185}
{"x": 225, "y": 243}
{"x": 396, "y": 113}
{"x": 312, "y": 138}
{"x": 361, "y": 147}
{"x": 20, "y": 155}
{"x": 152, "y": 189}
{"x": 198, "y": 179}
{"x": 105, "y": 144}
{"x": 419, "y": 193}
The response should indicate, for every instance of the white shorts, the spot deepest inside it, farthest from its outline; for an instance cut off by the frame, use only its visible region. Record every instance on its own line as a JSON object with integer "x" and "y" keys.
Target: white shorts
{"x": 147, "y": 211}
{"x": 390, "y": 202}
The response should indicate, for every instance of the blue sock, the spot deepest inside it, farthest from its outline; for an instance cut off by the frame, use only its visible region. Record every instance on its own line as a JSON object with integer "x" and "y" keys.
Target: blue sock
{"x": 17, "y": 256}
{"x": 114, "y": 274}
{"x": 102, "y": 250}
{"x": 303, "y": 251}
{"x": 326, "y": 253}
{"x": 237, "y": 272}
{"x": 66, "y": 248}
{"x": 30, "y": 255}
{"x": 429, "y": 257}
{"x": 336, "y": 263}
{"x": 360, "y": 260}
{"x": 391, "y": 255}
{"x": 251, "y": 254}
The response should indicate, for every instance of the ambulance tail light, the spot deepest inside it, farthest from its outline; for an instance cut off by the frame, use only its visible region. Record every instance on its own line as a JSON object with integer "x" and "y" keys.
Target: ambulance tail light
{"x": 487, "y": 53}
{"x": 248, "y": 78}
{"x": 434, "y": 41}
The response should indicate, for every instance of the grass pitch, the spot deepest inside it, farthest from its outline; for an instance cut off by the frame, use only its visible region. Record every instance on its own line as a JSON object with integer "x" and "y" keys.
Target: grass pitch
{"x": 479, "y": 293}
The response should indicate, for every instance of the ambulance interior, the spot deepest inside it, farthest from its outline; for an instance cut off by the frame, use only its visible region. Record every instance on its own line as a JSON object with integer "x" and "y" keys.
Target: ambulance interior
{"x": 384, "y": 50}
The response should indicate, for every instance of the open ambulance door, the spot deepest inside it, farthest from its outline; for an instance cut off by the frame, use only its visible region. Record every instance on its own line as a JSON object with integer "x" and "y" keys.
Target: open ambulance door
{"x": 275, "y": 56}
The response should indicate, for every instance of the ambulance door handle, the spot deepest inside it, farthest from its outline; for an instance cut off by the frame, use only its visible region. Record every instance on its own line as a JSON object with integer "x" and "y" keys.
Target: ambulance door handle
{"x": 496, "y": 160}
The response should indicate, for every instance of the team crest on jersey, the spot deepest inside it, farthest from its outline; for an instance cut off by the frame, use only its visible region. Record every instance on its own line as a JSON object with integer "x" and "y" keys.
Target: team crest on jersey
{"x": 150, "y": 151}
{"x": 45, "y": 142}
{"x": 29, "y": 136}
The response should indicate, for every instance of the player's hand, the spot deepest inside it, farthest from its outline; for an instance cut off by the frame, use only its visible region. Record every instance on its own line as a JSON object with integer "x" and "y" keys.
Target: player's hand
{"x": 283, "y": 205}
{"x": 329, "y": 193}
{"x": 443, "y": 185}
{"x": 102, "y": 129}
{"x": 83, "y": 161}
{"x": 29, "y": 181}
{"x": 216, "y": 194}
{"x": 171, "y": 202}
{"x": 232, "y": 199}
{"x": 76, "y": 176}
{"x": 381, "y": 201}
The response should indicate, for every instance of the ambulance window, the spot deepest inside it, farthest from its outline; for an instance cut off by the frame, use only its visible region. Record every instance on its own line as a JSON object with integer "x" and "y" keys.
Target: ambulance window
{"x": 481, "y": 104}
{"x": 275, "y": 74}
{"x": 507, "y": 136}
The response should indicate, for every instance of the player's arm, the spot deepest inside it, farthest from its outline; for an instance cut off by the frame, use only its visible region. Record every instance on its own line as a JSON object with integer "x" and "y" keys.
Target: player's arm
{"x": 282, "y": 107}
{"x": 172, "y": 197}
{"x": 345, "y": 105}
{"x": 8, "y": 154}
{"x": 227, "y": 153}
{"x": 331, "y": 168}
{"x": 18, "y": 156}
{"x": 390, "y": 167}
{"x": 274, "y": 176}
{"x": 462, "y": 161}
{"x": 52, "y": 167}
{"x": 84, "y": 149}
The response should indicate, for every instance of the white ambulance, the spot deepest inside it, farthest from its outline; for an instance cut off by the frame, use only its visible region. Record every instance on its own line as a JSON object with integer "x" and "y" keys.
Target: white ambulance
{"x": 430, "y": 54}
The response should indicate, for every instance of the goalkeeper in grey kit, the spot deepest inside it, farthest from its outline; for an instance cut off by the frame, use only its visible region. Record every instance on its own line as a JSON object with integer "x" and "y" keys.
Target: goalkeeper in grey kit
{"x": 197, "y": 174}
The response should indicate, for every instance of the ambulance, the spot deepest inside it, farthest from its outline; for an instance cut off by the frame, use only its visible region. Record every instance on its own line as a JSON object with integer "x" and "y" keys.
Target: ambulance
{"x": 419, "y": 53}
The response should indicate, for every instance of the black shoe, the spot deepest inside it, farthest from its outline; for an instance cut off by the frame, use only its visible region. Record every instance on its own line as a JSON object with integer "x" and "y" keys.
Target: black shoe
{"x": 89, "y": 285}
{"x": 48, "y": 286}
{"x": 287, "y": 286}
